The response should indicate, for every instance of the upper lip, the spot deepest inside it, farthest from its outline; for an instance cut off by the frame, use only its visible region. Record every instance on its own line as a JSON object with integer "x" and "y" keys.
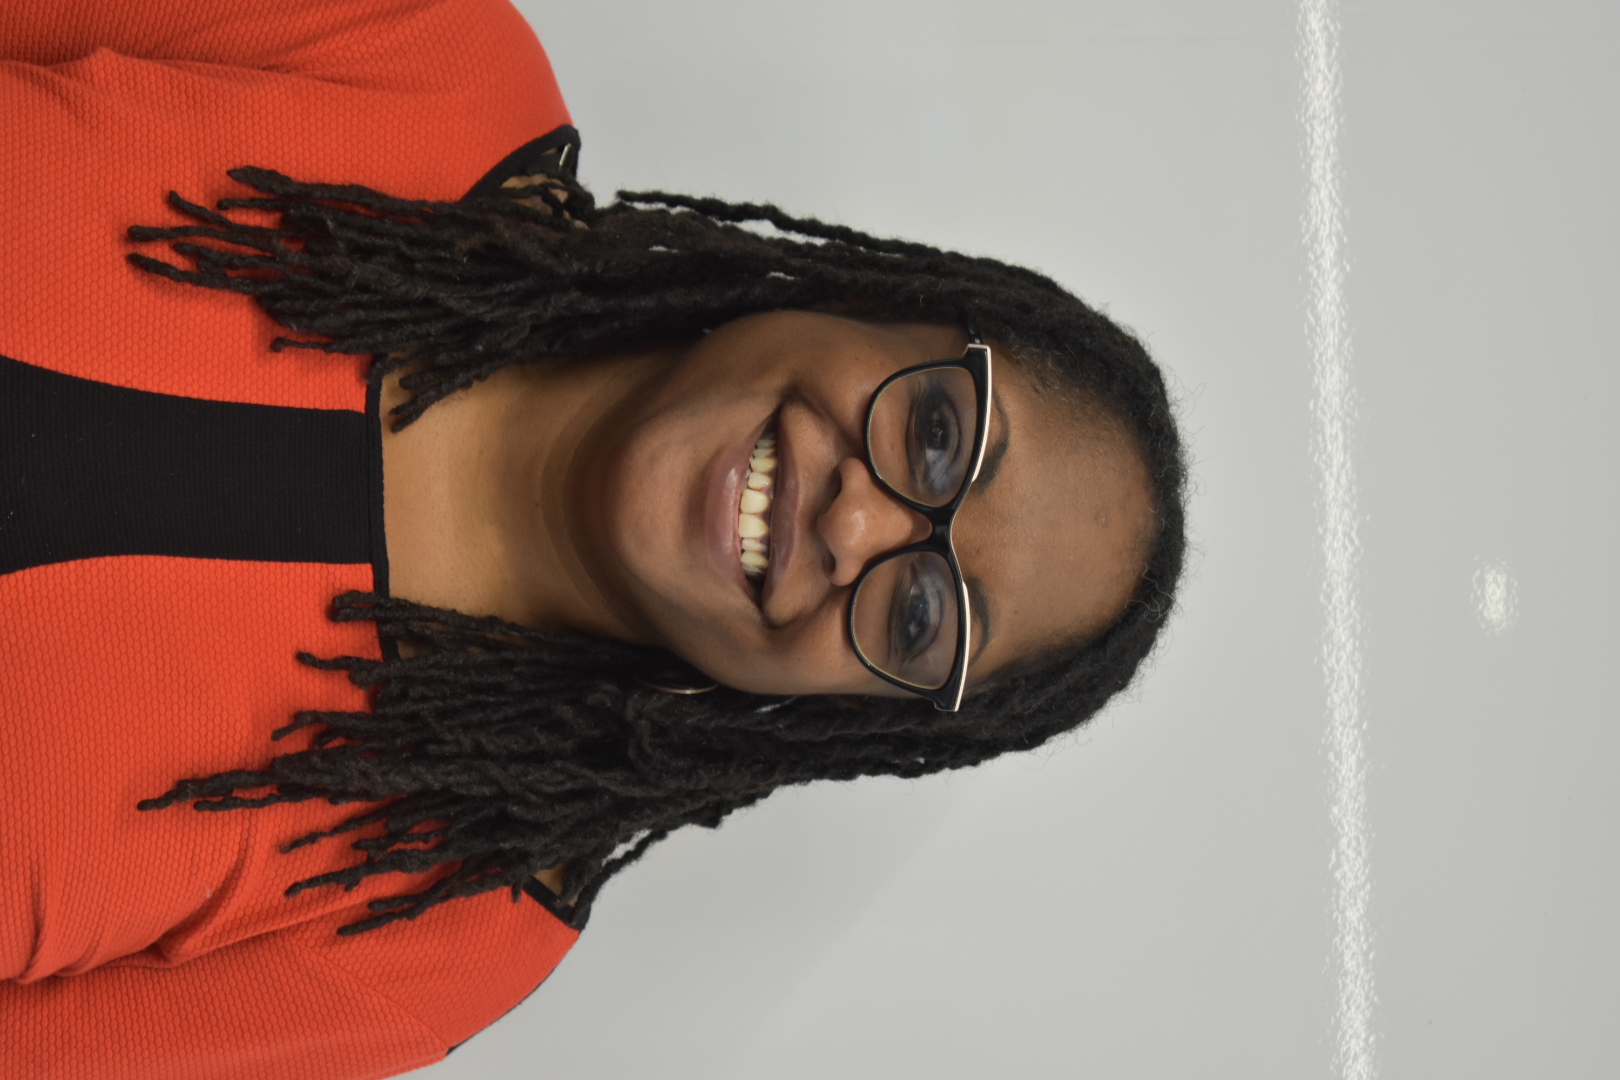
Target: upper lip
{"x": 784, "y": 517}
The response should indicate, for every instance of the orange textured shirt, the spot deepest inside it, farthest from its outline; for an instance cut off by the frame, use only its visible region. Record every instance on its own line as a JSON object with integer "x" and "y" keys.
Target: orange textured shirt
{"x": 160, "y": 944}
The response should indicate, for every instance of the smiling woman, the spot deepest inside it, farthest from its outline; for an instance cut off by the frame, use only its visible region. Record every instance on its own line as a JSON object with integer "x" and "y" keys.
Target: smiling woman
{"x": 624, "y": 517}
{"x": 565, "y": 516}
{"x": 643, "y": 478}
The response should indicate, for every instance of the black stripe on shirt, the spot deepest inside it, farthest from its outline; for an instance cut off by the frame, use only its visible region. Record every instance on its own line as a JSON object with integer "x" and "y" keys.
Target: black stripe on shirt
{"x": 88, "y": 469}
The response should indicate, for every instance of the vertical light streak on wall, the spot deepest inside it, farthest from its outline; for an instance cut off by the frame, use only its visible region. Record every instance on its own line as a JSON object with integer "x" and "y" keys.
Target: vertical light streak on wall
{"x": 1334, "y": 409}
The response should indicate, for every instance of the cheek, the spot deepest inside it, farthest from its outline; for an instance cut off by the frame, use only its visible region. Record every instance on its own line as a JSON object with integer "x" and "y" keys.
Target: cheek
{"x": 636, "y": 488}
{"x": 813, "y": 657}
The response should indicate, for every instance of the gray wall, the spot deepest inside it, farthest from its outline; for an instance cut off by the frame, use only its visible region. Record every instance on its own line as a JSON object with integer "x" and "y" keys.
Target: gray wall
{"x": 1154, "y": 898}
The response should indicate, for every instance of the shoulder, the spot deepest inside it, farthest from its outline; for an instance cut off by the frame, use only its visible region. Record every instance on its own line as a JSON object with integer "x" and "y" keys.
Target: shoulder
{"x": 459, "y": 967}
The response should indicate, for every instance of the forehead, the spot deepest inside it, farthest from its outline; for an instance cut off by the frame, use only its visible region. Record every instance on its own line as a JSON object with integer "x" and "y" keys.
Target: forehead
{"x": 1056, "y": 539}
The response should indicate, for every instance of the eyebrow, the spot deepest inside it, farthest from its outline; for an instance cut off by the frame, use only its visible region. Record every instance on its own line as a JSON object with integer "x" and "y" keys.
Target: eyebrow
{"x": 978, "y": 599}
{"x": 994, "y": 456}
{"x": 980, "y": 612}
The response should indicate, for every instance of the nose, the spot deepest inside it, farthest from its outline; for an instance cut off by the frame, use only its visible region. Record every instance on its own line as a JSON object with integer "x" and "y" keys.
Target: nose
{"x": 863, "y": 522}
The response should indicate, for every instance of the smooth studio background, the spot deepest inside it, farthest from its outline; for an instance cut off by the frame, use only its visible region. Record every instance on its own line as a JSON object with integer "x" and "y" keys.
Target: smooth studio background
{"x": 1152, "y": 898}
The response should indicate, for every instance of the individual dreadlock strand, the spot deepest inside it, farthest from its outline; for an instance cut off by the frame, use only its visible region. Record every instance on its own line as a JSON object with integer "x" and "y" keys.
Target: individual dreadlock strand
{"x": 497, "y": 751}
{"x": 719, "y": 210}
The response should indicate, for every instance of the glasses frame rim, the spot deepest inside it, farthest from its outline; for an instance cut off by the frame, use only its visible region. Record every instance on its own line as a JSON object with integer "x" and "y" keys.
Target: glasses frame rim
{"x": 976, "y": 361}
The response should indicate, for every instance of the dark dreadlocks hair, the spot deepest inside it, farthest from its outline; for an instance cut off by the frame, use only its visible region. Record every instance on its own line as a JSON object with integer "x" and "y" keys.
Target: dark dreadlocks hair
{"x": 494, "y": 751}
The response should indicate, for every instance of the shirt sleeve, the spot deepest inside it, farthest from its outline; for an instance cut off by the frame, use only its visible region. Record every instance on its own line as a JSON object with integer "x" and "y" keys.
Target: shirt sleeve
{"x": 346, "y": 40}
{"x": 301, "y": 1002}
{"x": 108, "y": 106}
{"x": 265, "y": 1008}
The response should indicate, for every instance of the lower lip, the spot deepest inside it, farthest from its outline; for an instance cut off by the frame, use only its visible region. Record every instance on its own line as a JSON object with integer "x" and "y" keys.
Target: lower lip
{"x": 726, "y": 478}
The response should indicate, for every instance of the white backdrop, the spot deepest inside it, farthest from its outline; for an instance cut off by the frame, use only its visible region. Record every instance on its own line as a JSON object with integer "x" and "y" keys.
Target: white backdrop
{"x": 1153, "y": 898}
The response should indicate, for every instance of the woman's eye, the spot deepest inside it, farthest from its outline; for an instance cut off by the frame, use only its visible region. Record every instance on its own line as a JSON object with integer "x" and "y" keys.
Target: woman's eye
{"x": 914, "y": 614}
{"x": 934, "y": 443}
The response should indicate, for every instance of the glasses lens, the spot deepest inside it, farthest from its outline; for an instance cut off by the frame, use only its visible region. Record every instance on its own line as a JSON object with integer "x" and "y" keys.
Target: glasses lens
{"x": 923, "y": 429}
{"x": 907, "y": 618}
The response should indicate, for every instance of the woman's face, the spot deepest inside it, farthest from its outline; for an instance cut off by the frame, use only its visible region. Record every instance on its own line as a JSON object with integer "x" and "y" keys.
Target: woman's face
{"x": 1051, "y": 538}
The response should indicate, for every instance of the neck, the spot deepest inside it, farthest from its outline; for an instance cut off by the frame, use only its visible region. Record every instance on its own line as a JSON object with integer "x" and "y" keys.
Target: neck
{"x": 487, "y": 496}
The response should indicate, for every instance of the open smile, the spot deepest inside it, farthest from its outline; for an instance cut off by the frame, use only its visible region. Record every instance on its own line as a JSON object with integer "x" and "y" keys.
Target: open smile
{"x": 748, "y": 534}
{"x": 754, "y": 508}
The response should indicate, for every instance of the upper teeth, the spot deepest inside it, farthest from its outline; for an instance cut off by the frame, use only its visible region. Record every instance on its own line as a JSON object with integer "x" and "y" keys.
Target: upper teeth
{"x": 755, "y": 505}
